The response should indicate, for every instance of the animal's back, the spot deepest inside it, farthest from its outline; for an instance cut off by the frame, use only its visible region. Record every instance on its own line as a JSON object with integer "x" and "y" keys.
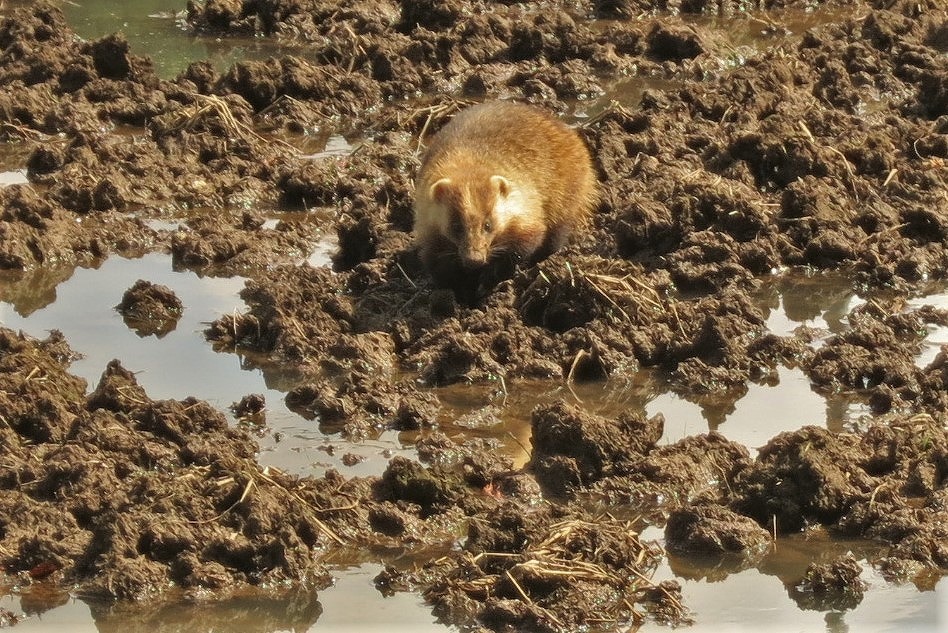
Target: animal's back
{"x": 526, "y": 145}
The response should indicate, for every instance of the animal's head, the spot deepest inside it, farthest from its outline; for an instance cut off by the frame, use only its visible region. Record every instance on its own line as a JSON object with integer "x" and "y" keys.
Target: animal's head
{"x": 473, "y": 212}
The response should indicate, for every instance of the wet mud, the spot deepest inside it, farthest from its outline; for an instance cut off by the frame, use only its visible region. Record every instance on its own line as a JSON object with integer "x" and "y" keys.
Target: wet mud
{"x": 150, "y": 308}
{"x": 828, "y": 152}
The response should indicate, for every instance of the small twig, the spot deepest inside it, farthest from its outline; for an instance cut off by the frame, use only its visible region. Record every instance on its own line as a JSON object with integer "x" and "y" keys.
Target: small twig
{"x": 806, "y": 131}
{"x": 322, "y": 526}
{"x": 891, "y": 229}
{"x": 243, "y": 496}
{"x": 915, "y": 148}
{"x": 607, "y": 298}
{"x": 405, "y": 275}
{"x": 581, "y": 354}
{"x": 125, "y": 388}
{"x": 846, "y": 163}
{"x": 424, "y": 128}
{"x": 519, "y": 443}
{"x": 523, "y": 594}
{"x": 849, "y": 170}
{"x": 872, "y": 497}
{"x": 613, "y": 107}
{"x": 888, "y": 179}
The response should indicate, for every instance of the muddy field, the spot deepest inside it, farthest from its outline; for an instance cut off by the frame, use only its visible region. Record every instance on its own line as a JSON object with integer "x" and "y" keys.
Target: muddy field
{"x": 827, "y": 152}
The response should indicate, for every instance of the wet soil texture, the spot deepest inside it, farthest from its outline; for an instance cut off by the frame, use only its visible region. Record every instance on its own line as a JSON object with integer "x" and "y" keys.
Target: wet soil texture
{"x": 828, "y": 152}
{"x": 150, "y": 308}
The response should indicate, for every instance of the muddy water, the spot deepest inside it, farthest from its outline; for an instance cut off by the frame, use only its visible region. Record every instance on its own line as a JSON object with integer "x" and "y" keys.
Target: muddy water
{"x": 79, "y": 303}
{"x": 763, "y": 599}
{"x": 155, "y": 28}
{"x": 352, "y": 604}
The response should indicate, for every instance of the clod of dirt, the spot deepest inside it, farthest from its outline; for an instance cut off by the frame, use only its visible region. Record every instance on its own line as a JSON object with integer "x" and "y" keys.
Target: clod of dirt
{"x": 8, "y": 618}
{"x": 576, "y": 452}
{"x": 696, "y": 467}
{"x": 150, "y": 309}
{"x": 708, "y": 529}
{"x": 217, "y": 14}
{"x": 249, "y": 405}
{"x": 479, "y": 463}
{"x": 877, "y": 355}
{"x": 231, "y": 244}
{"x": 834, "y": 586}
{"x": 36, "y": 230}
{"x": 351, "y": 459}
{"x": 886, "y": 483}
{"x": 406, "y": 480}
{"x": 545, "y": 569}
{"x": 251, "y": 408}
{"x": 670, "y": 43}
{"x": 565, "y": 292}
{"x": 803, "y": 475}
{"x": 363, "y": 399}
{"x": 321, "y": 313}
{"x": 572, "y": 448}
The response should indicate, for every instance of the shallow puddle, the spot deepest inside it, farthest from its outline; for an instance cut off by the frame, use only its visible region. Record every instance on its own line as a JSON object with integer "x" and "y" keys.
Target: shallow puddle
{"x": 79, "y": 302}
{"x": 155, "y": 28}
{"x": 351, "y": 604}
{"x": 763, "y": 599}
{"x": 937, "y": 337}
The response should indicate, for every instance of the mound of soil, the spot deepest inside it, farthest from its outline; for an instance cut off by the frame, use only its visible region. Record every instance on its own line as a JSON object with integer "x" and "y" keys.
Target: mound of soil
{"x": 545, "y": 570}
{"x": 877, "y": 355}
{"x": 711, "y": 529}
{"x": 150, "y": 308}
{"x": 834, "y": 586}
{"x": 121, "y": 495}
{"x": 886, "y": 483}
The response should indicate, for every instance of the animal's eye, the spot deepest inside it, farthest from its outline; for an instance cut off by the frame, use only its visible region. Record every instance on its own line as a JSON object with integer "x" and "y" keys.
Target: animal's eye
{"x": 488, "y": 226}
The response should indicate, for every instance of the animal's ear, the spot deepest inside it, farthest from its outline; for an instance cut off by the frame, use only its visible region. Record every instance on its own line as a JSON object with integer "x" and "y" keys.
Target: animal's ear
{"x": 501, "y": 185}
{"x": 440, "y": 191}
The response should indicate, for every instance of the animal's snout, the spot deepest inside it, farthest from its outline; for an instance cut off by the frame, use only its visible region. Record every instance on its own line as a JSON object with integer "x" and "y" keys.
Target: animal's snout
{"x": 473, "y": 255}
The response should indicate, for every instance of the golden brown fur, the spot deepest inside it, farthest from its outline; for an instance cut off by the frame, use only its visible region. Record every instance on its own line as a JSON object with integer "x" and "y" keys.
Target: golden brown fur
{"x": 501, "y": 181}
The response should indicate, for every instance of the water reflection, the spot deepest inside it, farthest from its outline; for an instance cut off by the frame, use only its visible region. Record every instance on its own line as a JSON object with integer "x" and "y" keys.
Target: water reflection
{"x": 32, "y": 290}
{"x": 152, "y": 30}
{"x": 329, "y": 146}
{"x": 79, "y": 302}
{"x": 761, "y": 412}
{"x": 156, "y": 28}
{"x": 297, "y": 610}
{"x": 352, "y": 604}
{"x": 937, "y": 339}
{"x": 819, "y": 302}
{"x": 735, "y": 601}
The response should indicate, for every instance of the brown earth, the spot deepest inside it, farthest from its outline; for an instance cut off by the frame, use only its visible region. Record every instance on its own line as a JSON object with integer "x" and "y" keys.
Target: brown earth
{"x": 826, "y": 152}
{"x": 150, "y": 308}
